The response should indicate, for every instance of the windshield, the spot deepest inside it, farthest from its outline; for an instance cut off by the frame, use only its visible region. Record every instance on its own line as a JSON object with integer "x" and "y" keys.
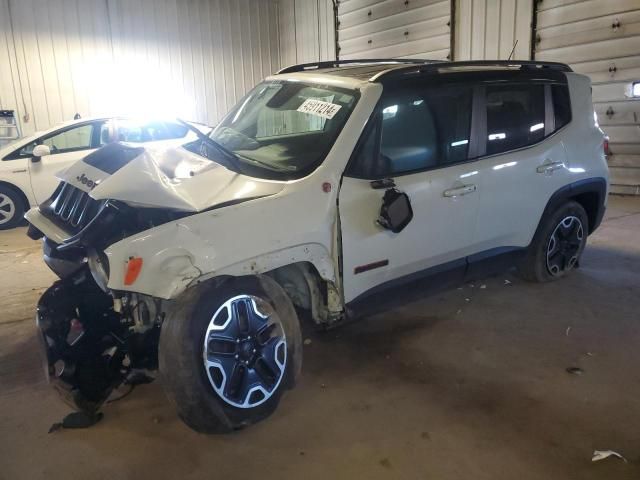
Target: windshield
{"x": 284, "y": 129}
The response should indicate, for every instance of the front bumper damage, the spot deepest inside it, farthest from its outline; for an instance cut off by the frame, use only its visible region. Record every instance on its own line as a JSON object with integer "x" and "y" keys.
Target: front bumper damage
{"x": 89, "y": 348}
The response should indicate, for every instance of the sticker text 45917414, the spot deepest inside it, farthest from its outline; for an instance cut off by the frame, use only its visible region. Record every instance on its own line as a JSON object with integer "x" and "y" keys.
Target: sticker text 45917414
{"x": 319, "y": 108}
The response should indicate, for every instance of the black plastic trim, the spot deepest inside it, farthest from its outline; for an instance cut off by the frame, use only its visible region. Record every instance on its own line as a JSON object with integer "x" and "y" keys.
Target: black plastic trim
{"x": 589, "y": 185}
{"x": 407, "y": 288}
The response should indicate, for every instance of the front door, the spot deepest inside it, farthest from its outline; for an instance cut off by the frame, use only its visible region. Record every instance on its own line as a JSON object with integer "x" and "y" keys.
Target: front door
{"x": 417, "y": 142}
{"x": 67, "y": 147}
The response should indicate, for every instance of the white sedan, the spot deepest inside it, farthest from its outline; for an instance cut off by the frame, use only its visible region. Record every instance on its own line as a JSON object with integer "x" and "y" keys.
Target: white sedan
{"x": 28, "y": 166}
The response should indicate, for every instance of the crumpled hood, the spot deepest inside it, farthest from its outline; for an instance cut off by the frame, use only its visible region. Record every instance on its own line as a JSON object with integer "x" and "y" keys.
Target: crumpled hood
{"x": 162, "y": 177}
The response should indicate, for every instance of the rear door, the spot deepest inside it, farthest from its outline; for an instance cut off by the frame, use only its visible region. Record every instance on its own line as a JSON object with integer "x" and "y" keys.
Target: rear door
{"x": 419, "y": 142}
{"x": 524, "y": 160}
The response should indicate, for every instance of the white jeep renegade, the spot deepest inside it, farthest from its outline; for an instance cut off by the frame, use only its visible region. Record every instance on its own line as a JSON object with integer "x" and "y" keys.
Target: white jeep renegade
{"x": 329, "y": 187}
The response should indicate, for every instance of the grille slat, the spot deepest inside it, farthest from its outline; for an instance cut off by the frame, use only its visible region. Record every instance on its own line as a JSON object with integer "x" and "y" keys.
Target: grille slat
{"x": 73, "y": 208}
{"x": 78, "y": 208}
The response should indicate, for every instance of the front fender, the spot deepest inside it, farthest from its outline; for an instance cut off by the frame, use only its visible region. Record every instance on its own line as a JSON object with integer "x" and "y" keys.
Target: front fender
{"x": 169, "y": 270}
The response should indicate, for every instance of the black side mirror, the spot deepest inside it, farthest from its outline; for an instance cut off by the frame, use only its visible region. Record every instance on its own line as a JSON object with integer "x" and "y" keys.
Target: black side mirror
{"x": 396, "y": 211}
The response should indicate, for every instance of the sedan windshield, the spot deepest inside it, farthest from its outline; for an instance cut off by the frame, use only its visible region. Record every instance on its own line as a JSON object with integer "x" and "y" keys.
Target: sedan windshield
{"x": 284, "y": 129}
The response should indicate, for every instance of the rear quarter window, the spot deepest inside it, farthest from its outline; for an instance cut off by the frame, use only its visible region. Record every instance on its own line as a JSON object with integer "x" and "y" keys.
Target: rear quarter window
{"x": 561, "y": 105}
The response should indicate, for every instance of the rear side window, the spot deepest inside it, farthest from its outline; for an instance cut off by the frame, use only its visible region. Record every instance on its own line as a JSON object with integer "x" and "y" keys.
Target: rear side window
{"x": 561, "y": 105}
{"x": 417, "y": 130}
{"x": 515, "y": 117}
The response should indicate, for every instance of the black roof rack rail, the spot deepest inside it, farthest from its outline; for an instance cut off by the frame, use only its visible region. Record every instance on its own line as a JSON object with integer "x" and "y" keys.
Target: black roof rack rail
{"x": 434, "y": 66}
{"x": 356, "y": 61}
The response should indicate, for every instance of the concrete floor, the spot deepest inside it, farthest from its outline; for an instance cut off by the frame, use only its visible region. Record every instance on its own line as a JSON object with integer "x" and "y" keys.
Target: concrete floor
{"x": 470, "y": 384}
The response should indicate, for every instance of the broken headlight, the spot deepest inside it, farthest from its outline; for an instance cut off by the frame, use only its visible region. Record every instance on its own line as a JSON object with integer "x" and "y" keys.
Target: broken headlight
{"x": 99, "y": 267}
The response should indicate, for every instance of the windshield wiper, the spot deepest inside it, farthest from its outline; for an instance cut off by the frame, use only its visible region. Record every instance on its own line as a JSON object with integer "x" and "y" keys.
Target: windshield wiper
{"x": 230, "y": 159}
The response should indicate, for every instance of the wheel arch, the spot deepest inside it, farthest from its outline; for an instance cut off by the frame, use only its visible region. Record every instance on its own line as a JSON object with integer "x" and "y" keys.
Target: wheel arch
{"x": 590, "y": 193}
{"x": 18, "y": 190}
{"x": 307, "y": 289}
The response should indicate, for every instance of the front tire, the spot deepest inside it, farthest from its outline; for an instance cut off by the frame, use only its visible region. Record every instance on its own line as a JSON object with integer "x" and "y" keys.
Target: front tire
{"x": 557, "y": 245}
{"x": 11, "y": 208}
{"x": 228, "y": 353}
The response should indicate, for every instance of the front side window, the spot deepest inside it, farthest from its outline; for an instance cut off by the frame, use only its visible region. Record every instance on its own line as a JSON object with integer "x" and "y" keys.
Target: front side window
{"x": 515, "y": 117}
{"x": 418, "y": 130}
{"x": 78, "y": 138}
{"x": 284, "y": 129}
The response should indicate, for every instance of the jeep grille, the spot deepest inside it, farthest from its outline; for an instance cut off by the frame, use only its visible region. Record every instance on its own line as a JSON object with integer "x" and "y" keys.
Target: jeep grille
{"x": 71, "y": 208}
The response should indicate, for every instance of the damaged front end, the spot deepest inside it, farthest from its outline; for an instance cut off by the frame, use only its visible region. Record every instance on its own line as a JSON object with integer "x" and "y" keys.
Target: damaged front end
{"x": 93, "y": 343}
{"x": 98, "y": 330}
{"x": 94, "y": 338}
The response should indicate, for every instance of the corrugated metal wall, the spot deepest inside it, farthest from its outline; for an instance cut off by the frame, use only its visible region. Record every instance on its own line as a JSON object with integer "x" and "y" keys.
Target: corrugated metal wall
{"x": 488, "y": 29}
{"x": 601, "y": 39}
{"x": 134, "y": 57}
{"x": 307, "y": 31}
{"x": 394, "y": 28}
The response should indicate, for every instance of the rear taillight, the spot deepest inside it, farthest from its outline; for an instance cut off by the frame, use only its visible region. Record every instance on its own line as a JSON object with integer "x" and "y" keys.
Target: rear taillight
{"x": 605, "y": 146}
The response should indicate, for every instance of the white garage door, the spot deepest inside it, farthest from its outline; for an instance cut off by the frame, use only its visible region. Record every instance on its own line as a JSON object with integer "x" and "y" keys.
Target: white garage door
{"x": 601, "y": 39}
{"x": 394, "y": 28}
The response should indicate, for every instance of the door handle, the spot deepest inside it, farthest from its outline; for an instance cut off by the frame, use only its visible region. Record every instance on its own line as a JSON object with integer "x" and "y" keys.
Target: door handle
{"x": 459, "y": 191}
{"x": 550, "y": 167}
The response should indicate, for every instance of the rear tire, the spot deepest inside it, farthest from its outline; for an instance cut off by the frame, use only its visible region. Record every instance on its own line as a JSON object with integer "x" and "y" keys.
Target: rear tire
{"x": 557, "y": 244}
{"x": 227, "y": 353}
{"x": 11, "y": 207}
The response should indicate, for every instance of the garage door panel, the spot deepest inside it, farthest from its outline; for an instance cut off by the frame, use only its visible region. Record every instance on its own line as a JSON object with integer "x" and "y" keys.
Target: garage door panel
{"x": 611, "y": 92}
{"x": 418, "y": 48}
{"x": 428, "y": 30}
{"x": 613, "y": 70}
{"x": 434, "y": 55}
{"x": 624, "y": 176}
{"x": 618, "y": 113}
{"x": 374, "y": 11}
{"x": 394, "y": 28}
{"x": 621, "y": 47}
{"x": 575, "y": 34}
{"x": 623, "y": 161}
{"x": 601, "y": 39}
{"x": 575, "y": 12}
{"x": 438, "y": 12}
{"x": 624, "y": 133}
{"x": 624, "y": 148}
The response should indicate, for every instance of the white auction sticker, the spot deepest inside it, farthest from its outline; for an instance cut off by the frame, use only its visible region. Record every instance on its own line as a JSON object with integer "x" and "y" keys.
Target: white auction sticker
{"x": 320, "y": 108}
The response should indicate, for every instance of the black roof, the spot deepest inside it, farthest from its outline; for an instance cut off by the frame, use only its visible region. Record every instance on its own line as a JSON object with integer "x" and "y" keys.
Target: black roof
{"x": 377, "y": 70}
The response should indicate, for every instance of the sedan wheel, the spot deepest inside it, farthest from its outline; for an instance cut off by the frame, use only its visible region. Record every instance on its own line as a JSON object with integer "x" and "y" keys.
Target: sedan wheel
{"x": 11, "y": 207}
{"x": 7, "y": 209}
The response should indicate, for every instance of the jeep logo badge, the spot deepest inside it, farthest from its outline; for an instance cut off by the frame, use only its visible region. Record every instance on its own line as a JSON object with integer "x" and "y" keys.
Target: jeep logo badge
{"x": 86, "y": 181}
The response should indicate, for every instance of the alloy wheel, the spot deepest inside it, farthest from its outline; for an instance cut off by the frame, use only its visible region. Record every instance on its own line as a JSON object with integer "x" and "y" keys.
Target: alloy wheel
{"x": 7, "y": 209}
{"x": 564, "y": 245}
{"x": 245, "y": 351}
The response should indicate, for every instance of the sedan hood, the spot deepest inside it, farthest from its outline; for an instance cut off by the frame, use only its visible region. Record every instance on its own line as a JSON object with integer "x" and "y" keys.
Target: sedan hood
{"x": 159, "y": 177}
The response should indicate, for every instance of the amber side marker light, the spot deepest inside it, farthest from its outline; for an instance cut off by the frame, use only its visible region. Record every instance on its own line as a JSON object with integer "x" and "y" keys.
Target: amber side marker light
{"x": 134, "y": 265}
